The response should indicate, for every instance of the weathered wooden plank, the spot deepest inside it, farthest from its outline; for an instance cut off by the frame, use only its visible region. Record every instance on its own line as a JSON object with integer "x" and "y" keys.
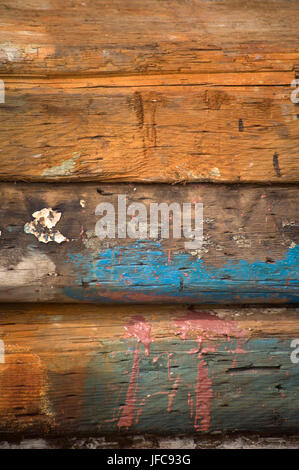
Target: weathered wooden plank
{"x": 210, "y": 127}
{"x": 120, "y": 36}
{"x": 50, "y": 251}
{"x": 92, "y": 370}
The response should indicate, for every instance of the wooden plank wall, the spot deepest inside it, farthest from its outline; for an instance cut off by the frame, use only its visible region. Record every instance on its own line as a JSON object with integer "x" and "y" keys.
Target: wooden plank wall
{"x": 220, "y": 127}
{"x": 141, "y": 369}
{"x": 248, "y": 255}
{"x": 171, "y": 101}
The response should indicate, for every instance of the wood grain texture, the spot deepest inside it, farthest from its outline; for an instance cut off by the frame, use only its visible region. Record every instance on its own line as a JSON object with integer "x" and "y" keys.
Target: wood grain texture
{"x": 73, "y": 370}
{"x": 208, "y": 127}
{"x": 50, "y": 37}
{"x": 249, "y": 251}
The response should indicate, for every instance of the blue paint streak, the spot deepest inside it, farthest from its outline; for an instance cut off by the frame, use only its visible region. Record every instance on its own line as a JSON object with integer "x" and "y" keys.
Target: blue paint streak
{"x": 184, "y": 278}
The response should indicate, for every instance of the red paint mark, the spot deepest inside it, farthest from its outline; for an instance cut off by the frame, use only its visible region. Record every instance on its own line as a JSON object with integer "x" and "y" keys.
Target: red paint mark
{"x": 173, "y": 393}
{"x": 127, "y": 418}
{"x": 119, "y": 261}
{"x": 283, "y": 395}
{"x": 194, "y": 351}
{"x": 135, "y": 269}
{"x": 157, "y": 358}
{"x": 206, "y": 326}
{"x": 191, "y": 404}
{"x": 209, "y": 325}
{"x": 169, "y": 254}
{"x": 140, "y": 329}
{"x": 239, "y": 349}
{"x": 203, "y": 392}
{"x": 288, "y": 280}
{"x": 185, "y": 274}
{"x": 82, "y": 233}
{"x": 209, "y": 349}
{"x": 139, "y": 412}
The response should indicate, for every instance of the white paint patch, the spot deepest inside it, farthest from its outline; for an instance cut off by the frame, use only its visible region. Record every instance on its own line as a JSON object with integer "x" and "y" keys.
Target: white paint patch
{"x": 42, "y": 226}
{"x": 215, "y": 173}
{"x": 30, "y": 269}
{"x": 10, "y": 53}
{"x": 82, "y": 203}
{"x": 66, "y": 168}
{"x": 241, "y": 239}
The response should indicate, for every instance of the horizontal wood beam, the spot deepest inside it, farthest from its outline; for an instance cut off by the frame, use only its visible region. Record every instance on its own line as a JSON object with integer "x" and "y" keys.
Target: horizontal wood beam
{"x": 73, "y": 370}
{"x": 50, "y": 251}
{"x": 188, "y": 128}
{"x": 51, "y": 37}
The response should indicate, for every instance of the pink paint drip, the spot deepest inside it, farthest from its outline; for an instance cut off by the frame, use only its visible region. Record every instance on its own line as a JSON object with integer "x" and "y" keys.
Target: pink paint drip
{"x": 239, "y": 349}
{"x": 203, "y": 392}
{"x": 127, "y": 418}
{"x": 141, "y": 330}
{"x": 190, "y": 403}
{"x": 210, "y": 327}
{"x": 173, "y": 393}
{"x": 139, "y": 412}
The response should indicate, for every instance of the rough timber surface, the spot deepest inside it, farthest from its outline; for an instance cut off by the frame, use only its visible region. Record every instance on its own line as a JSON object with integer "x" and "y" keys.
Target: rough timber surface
{"x": 225, "y": 127}
{"x": 50, "y": 37}
{"x": 50, "y": 252}
{"x": 73, "y": 370}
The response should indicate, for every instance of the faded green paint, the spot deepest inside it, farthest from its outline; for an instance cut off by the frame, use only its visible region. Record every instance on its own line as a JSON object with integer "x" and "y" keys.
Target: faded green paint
{"x": 66, "y": 168}
{"x": 252, "y": 390}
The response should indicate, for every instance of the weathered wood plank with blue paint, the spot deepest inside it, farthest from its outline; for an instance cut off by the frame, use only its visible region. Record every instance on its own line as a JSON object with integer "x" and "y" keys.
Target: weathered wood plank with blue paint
{"x": 50, "y": 252}
{"x": 149, "y": 369}
{"x": 223, "y": 127}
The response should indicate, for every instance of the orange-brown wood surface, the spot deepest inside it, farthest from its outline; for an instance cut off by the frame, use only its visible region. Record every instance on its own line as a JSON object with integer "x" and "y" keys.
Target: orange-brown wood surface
{"x": 149, "y": 91}
{"x": 50, "y": 37}
{"x": 88, "y": 369}
{"x": 208, "y": 127}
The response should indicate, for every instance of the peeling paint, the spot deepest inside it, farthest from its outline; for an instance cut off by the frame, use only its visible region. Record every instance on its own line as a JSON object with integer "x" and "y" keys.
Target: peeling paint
{"x": 241, "y": 239}
{"x": 215, "y": 173}
{"x": 42, "y": 226}
{"x": 66, "y": 168}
